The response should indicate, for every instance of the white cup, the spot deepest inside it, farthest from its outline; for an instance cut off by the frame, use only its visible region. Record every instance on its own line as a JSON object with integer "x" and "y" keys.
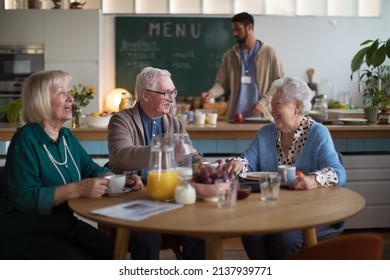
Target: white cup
{"x": 212, "y": 116}
{"x": 269, "y": 187}
{"x": 200, "y": 117}
{"x": 116, "y": 183}
{"x": 190, "y": 116}
{"x": 287, "y": 172}
{"x": 182, "y": 118}
{"x": 226, "y": 193}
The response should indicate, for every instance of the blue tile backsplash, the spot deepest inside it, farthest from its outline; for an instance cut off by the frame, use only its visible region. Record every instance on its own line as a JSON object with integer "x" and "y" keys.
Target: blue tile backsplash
{"x": 237, "y": 146}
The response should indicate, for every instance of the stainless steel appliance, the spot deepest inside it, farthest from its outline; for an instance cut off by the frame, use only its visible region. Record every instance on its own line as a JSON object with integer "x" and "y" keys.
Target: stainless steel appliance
{"x": 17, "y": 62}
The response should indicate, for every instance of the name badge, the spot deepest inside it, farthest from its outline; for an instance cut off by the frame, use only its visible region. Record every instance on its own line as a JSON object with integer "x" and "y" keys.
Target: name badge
{"x": 246, "y": 79}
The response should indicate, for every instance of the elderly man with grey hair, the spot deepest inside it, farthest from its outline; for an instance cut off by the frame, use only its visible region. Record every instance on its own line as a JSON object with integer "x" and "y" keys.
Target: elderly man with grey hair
{"x": 130, "y": 134}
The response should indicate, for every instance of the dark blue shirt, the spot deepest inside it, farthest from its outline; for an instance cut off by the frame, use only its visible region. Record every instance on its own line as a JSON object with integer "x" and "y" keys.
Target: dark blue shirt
{"x": 151, "y": 128}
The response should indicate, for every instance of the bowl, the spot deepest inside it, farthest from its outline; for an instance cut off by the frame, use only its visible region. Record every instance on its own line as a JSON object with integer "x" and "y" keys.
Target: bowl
{"x": 244, "y": 191}
{"x": 97, "y": 121}
{"x": 207, "y": 191}
{"x": 318, "y": 116}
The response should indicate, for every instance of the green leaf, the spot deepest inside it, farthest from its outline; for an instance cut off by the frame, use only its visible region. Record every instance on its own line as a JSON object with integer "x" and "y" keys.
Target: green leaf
{"x": 379, "y": 56}
{"x": 357, "y": 60}
{"x": 366, "y": 42}
{"x": 388, "y": 48}
{"x": 370, "y": 52}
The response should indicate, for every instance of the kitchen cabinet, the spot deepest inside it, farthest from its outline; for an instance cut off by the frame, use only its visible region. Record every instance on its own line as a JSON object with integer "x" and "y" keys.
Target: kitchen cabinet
{"x": 369, "y": 176}
{"x": 21, "y": 27}
{"x": 70, "y": 39}
{"x": 71, "y": 36}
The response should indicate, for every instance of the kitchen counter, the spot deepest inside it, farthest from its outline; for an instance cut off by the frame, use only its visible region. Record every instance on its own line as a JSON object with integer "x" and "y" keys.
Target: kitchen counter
{"x": 225, "y": 130}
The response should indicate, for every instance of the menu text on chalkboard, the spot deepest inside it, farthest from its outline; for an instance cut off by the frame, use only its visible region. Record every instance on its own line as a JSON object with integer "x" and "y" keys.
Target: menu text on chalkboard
{"x": 190, "y": 48}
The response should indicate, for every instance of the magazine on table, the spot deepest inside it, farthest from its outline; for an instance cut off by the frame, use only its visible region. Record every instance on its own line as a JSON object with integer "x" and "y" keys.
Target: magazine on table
{"x": 136, "y": 210}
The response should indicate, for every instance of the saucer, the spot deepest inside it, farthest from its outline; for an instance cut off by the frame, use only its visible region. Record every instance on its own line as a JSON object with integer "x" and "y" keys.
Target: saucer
{"x": 125, "y": 190}
{"x": 254, "y": 176}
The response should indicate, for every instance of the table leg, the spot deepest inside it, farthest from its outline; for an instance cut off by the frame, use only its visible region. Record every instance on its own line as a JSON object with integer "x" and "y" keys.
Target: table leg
{"x": 309, "y": 237}
{"x": 121, "y": 243}
{"x": 214, "y": 248}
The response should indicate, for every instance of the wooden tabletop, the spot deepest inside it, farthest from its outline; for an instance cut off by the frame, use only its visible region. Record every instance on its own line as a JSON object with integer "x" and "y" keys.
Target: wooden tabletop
{"x": 293, "y": 211}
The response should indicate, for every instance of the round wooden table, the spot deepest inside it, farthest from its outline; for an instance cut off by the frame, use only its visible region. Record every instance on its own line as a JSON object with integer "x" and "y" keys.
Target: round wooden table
{"x": 295, "y": 210}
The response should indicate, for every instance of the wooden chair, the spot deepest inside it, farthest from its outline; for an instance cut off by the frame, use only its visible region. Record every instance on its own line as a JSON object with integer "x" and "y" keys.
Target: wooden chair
{"x": 351, "y": 246}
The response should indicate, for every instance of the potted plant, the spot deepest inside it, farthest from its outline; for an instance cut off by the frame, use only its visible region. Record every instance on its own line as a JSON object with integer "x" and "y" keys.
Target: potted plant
{"x": 12, "y": 111}
{"x": 373, "y": 75}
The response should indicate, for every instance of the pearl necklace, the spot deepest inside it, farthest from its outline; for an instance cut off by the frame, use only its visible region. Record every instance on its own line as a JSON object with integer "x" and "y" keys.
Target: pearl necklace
{"x": 56, "y": 163}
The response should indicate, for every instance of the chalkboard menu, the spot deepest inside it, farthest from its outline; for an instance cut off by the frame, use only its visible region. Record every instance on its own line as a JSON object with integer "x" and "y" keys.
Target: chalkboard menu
{"x": 190, "y": 48}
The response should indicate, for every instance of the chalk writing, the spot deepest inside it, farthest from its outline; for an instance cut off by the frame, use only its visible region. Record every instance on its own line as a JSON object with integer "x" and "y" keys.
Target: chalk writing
{"x": 181, "y": 65}
{"x": 169, "y": 29}
{"x": 142, "y": 55}
{"x": 139, "y": 45}
{"x": 184, "y": 55}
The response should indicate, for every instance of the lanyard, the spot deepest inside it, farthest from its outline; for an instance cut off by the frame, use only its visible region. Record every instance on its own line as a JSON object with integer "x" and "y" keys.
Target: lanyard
{"x": 251, "y": 54}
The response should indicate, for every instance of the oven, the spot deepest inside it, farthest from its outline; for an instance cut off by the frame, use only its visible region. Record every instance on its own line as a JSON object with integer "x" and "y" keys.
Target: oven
{"x": 17, "y": 62}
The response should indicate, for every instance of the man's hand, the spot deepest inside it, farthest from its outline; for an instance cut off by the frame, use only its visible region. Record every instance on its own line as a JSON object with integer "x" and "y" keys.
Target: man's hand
{"x": 206, "y": 96}
{"x": 257, "y": 110}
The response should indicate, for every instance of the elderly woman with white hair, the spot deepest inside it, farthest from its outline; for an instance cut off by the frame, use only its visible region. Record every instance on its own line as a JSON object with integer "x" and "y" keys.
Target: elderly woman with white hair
{"x": 293, "y": 139}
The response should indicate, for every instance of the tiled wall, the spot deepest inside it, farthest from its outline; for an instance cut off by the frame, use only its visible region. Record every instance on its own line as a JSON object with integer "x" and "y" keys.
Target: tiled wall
{"x": 231, "y": 146}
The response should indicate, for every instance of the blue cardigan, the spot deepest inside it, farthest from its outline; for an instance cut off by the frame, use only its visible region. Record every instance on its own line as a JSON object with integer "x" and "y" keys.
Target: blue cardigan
{"x": 317, "y": 153}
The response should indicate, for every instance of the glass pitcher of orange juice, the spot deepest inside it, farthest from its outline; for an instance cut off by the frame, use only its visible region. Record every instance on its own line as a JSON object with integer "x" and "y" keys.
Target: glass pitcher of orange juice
{"x": 162, "y": 176}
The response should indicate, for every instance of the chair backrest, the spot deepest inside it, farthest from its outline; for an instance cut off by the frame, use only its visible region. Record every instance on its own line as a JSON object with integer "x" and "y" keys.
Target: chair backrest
{"x": 351, "y": 246}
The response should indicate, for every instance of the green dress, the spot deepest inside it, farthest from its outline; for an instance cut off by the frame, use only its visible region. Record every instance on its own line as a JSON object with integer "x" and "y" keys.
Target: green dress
{"x": 26, "y": 205}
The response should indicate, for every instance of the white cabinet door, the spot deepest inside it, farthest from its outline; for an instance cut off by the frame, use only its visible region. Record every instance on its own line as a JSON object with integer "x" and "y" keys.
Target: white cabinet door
{"x": 369, "y": 176}
{"x": 72, "y": 45}
{"x": 21, "y": 26}
{"x": 71, "y": 35}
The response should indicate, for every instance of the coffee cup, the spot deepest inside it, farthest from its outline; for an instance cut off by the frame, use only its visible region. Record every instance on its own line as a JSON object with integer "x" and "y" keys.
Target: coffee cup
{"x": 182, "y": 118}
{"x": 212, "y": 116}
{"x": 116, "y": 183}
{"x": 200, "y": 117}
{"x": 190, "y": 116}
{"x": 287, "y": 173}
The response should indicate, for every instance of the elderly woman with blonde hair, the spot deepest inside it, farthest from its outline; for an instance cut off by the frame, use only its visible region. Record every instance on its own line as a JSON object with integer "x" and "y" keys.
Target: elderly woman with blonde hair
{"x": 46, "y": 166}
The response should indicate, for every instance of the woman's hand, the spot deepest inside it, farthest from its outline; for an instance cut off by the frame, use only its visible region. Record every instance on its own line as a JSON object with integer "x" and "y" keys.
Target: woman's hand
{"x": 233, "y": 167}
{"x": 134, "y": 182}
{"x": 92, "y": 187}
{"x": 304, "y": 182}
